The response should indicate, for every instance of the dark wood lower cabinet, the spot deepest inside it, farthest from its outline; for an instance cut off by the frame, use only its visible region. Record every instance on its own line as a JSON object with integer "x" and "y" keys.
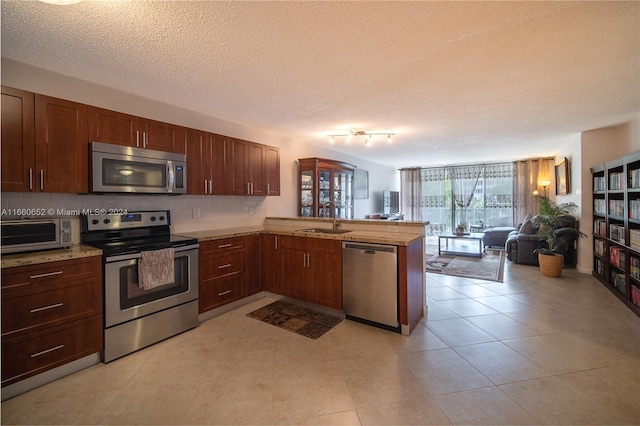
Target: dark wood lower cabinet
{"x": 51, "y": 315}
{"x": 27, "y": 355}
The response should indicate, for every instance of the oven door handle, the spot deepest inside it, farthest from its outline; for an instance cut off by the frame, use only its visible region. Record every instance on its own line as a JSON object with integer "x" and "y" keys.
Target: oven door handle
{"x": 138, "y": 255}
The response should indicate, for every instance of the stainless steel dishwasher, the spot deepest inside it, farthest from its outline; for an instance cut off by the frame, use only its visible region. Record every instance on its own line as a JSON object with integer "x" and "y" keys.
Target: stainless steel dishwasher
{"x": 370, "y": 283}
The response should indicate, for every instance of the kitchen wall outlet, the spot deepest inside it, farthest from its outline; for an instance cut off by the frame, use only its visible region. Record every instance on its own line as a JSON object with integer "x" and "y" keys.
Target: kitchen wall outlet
{"x": 195, "y": 213}
{"x": 252, "y": 211}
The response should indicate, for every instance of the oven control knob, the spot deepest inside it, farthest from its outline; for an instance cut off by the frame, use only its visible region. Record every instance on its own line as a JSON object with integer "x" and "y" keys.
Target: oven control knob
{"x": 95, "y": 221}
{"x": 162, "y": 218}
{"x": 153, "y": 218}
{"x": 107, "y": 221}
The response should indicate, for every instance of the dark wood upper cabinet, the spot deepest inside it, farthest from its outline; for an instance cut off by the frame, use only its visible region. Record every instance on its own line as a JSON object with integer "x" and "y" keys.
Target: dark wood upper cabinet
{"x": 272, "y": 170}
{"x": 205, "y": 162}
{"x": 18, "y": 140}
{"x": 128, "y": 130}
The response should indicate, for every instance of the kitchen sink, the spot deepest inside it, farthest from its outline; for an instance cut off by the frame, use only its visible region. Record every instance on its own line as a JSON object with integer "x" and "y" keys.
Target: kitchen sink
{"x": 324, "y": 231}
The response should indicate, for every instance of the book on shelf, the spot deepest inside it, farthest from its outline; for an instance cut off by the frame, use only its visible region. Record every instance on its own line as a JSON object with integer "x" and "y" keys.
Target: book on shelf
{"x": 634, "y": 179}
{"x": 617, "y": 257}
{"x": 635, "y": 295}
{"x": 599, "y": 183}
{"x": 634, "y": 239}
{"x": 634, "y": 209}
{"x": 600, "y": 227}
{"x": 599, "y": 267}
{"x": 600, "y": 247}
{"x": 616, "y": 208}
{"x": 616, "y": 180}
{"x": 616, "y": 233}
{"x": 634, "y": 267}
{"x": 599, "y": 206}
{"x": 618, "y": 281}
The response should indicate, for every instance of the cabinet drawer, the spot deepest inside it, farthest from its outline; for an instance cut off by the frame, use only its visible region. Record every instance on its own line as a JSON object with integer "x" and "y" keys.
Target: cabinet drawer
{"x": 222, "y": 244}
{"x": 28, "y": 277}
{"x": 220, "y": 291}
{"x": 221, "y": 265}
{"x": 76, "y": 300}
{"x": 27, "y": 356}
{"x": 311, "y": 244}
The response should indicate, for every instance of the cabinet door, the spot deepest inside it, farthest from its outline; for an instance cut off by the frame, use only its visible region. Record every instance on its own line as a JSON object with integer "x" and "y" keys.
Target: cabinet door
{"x": 256, "y": 169}
{"x": 220, "y": 163}
{"x": 198, "y": 150}
{"x": 18, "y": 140}
{"x": 272, "y": 170}
{"x": 113, "y": 127}
{"x": 162, "y": 136}
{"x": 272, "y": 264}
{"x": 238, "y": 183}
{"x": 61, "y": 145}
{"x": 325, "y": 279}
{"x": 253, "y": 273}
{"x": 294, "y": 273}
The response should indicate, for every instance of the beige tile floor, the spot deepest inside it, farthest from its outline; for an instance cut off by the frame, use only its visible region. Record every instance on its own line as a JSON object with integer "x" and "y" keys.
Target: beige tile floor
{"x": 531, "y": 350}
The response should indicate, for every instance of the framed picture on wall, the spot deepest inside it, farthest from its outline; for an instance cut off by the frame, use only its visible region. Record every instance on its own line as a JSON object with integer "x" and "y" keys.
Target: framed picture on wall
{"x": 562, "y": 177}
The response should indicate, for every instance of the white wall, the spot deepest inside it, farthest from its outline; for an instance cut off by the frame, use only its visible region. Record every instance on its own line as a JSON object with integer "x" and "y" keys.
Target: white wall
{"x": 216, "y": 211}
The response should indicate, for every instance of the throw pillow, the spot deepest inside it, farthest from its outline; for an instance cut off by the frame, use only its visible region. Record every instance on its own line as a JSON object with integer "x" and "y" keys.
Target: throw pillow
{"x": 528, "y": 227}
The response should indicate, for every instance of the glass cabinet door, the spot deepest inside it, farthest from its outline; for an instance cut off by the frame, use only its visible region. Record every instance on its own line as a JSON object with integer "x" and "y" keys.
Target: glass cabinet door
{"x": 306, "y": 193}
{"x": 324, "y": 192}
{"x": 342, "y": 193}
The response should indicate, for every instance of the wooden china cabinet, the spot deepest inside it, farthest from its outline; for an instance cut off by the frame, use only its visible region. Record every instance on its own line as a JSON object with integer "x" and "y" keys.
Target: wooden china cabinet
{"x": 321, "y": 180}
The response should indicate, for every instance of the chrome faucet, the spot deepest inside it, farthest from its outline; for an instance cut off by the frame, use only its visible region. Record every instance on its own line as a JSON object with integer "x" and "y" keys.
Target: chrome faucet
{"x": 336, "y": 224}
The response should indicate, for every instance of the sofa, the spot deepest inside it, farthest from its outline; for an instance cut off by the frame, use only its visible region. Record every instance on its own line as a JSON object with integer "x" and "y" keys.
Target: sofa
{"x": 522, "y": 243}
{"x": 496, "y": 236}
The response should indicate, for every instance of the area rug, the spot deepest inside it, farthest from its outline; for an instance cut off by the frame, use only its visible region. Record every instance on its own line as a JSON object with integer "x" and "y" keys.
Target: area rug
{"x": 489, "y": 267}
{"x": 302, "y": 321}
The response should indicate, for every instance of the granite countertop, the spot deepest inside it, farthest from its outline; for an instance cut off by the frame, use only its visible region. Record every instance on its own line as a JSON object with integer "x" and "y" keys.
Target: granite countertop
{"x": 76, "y": 251}
{"x": 362, "y": 236}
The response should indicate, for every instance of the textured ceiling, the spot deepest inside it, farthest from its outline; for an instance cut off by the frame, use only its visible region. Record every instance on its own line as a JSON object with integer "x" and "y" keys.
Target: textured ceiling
{"x": 458, "y": 81}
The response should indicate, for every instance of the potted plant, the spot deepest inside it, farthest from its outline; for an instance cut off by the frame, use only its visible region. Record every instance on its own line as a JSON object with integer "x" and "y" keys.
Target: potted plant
{"x": 558, "y": 232}
{"x": 461, "y": 228}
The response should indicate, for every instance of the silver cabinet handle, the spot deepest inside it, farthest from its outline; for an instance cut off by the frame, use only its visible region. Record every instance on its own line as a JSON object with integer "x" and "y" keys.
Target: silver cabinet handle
{"x": 41, "y": 179}
{"x": 138, "y": 138}
{"x": 248, "y": 188}
{"x": 224, "y": 245}
{"x": 228, "y": 265}
{"x": 48, "y": 274}
{"x": 46, "y": 351}
{"x": 144, "y": 139}
{"x": 308, "y": 260}
{"x": 224, "y": 292}
{"x": 268, "y": 190}
{"x": 30, "y": 179}
{"x": 205, "y": 187}
{"x": 210, "y": 186}
{"x": 44, "y": 308}
{"x": 276, "y": 239}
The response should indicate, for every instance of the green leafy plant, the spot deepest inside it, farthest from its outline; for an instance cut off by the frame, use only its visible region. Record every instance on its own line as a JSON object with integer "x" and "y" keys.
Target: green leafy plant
{"x": 461, "y": 228}
{"x": 549, "y": 218}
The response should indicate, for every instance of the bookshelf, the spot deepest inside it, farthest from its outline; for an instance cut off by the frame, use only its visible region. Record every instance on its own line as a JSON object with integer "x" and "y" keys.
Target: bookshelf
{"x": 616, "y": 228}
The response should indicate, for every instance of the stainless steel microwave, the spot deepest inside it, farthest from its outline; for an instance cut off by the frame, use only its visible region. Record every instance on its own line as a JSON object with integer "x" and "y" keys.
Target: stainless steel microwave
{"x": 23, "y": 235}
{"x": 116, "y": 168}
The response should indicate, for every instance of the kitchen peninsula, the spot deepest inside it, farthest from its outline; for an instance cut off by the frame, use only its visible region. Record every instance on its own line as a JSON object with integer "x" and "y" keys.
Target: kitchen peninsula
{"x": 247, "y": 267}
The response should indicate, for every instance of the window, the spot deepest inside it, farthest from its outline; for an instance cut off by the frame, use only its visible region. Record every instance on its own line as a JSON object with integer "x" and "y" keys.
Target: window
{"x": 480, "y": 195}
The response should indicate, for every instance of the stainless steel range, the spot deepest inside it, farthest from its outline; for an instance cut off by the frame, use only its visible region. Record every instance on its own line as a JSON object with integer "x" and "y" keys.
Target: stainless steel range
{"x": 150, "y": 278}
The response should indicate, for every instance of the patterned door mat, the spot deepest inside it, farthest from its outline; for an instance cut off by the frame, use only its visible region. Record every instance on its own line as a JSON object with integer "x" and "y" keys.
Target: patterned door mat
{"x": 295, "y": 318}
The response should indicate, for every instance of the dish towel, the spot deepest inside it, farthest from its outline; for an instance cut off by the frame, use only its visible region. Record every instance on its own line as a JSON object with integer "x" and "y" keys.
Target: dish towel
{"x": 155, "y": 268}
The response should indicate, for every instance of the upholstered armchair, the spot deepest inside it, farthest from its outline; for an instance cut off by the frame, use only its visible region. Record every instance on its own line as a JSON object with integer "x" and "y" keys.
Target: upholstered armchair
{"x": 522, "y": 243}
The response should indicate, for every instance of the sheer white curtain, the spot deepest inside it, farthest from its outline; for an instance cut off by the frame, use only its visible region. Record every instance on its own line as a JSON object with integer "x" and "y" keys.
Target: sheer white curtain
{"x": 411, "y": 193}
{"x": 525, "y": 186}
{"x": 464, "y": 180}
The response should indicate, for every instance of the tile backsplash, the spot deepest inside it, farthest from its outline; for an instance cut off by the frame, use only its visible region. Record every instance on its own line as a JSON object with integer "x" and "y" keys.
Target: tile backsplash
{"x": 188, "y": 212}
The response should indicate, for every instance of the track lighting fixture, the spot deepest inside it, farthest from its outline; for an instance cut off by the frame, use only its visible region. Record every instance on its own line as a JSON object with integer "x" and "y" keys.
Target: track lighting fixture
{"x": 367, "y": 136}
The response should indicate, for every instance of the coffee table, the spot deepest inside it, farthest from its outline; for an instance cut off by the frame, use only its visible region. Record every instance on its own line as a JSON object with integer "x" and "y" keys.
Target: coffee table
{"x": 461, "y": 245}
